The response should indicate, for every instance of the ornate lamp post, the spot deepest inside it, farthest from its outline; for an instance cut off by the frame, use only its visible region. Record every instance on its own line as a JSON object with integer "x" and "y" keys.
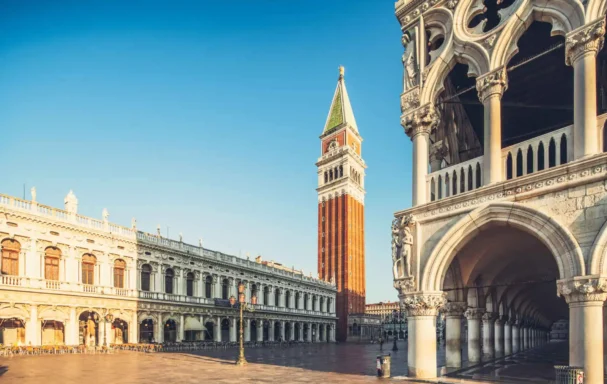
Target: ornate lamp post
{"x": 394, "y": 347}
{"x": 243, "y": 306}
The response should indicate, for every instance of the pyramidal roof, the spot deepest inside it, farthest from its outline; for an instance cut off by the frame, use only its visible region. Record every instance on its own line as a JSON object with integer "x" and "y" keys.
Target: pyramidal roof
{"x": 340, "y": 112}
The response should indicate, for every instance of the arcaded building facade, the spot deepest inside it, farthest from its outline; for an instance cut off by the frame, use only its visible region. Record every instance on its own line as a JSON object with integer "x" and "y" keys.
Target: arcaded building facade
{"x": 341, "y": 208}
{"x": 504, "y": 102}
{"x": 70, "y": 279}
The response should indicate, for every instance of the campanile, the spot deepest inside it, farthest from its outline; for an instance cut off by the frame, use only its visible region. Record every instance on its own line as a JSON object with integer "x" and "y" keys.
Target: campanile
{"x": 341, "y": 208}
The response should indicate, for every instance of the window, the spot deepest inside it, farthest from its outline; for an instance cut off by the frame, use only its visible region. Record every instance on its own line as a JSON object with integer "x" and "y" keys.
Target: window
{"x": 208, "y": 287}
{"x": 277, "y": 298}
{"x": 225, "y": 289}
{"x": 51, "y": 263}
{"x": 146, "y": 273}
{"x": 266, "y": 295}
{"x": 169, "y": 275}
{"x": 10, "y": 257}
{"x": 119, "y": 267}
{"x": 253, "y": 290}
{"x": 88, "y": 269}
{"x": 190, "y": 284}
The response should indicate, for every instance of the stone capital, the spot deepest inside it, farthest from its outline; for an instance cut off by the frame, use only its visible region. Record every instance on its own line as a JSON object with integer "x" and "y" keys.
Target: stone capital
{"x": 585, "y": 40}
{"x": 490, "y": 317}
{"x": 583, "y": 289}
{"x": 492, "y": 83}
{"x": 455, "y": 309}
{"x": 423, "y": 303}
{"x": 420, "y": 121}
{"x": 404, "y": 285}
{"x": 474, "y": 313}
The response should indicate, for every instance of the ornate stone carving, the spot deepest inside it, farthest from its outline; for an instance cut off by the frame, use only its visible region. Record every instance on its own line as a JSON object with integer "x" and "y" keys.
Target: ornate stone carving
{"x": 455, "y": 308}
{"x": 474, "y": 313}
{"x": 589, "y": 38}
{"x": 405, "y": 284}
{"x": 583, "y": 289}
{"x": 420, "y": 121}
{"x": 424, "y": 304}
{"x": 490, "y": 317}
{"x": 492, "y": 83}
{"x": 402, "y": 243}
{"x": 451, "y": 4}
{"x": 409, "y": 100}
{"x": 409, "y": 59}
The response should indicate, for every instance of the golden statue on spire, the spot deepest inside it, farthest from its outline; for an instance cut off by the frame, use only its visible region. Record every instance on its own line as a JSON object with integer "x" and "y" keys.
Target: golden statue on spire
{"x": 341, "y": 71}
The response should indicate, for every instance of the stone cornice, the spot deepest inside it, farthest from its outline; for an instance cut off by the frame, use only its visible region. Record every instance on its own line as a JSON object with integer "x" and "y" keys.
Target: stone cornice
{"x": 584, "y": 40}
{"x": 492, "y": 83}
{"x": 582, "y": 289}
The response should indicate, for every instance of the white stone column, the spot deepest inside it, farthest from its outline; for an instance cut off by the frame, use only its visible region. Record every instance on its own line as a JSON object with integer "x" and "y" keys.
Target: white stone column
{"x": 33, "y": 328}
{"x": 582, "y": 46}
{"x": 516, "y": 338}
{"x": 282, "y": 330}
{"x": 421, "y": 309}
{"x": 181, "y": 329}
{"x": 271, "y": 331}
{"x": 491, "y": 87}
{"x": 508, "y": 338}
{"x": 499, "y": 337}
{"x": 488, "y": 335}
{"x": 233, "y": 322}
{"x": 259, "y": 330}
{"x": 247, "y": 329}
{"x": 453, "y": 333}
{"x": 474, "y": 316}
{"x": 158, "y": 328}
{"x": 586, "y": 297}
{"x": 418, "y": 126}
{"x": 217, "y": 329}
{"x": 71, "y": 337}
{"x": 525, "y": 337}
{"x": 134, "y": 328}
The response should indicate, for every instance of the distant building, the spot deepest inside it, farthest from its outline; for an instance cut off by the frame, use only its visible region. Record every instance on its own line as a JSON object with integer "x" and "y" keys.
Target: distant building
{"x": 382, "y": 309}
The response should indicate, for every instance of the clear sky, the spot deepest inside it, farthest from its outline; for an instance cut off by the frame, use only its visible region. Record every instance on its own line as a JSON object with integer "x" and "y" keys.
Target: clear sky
{"x": 203, "y": 116}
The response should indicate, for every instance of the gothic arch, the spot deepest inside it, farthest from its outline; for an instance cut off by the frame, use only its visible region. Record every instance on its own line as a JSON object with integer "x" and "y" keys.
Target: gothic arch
{"x": 596, "y": 9}
{"x": 598, "y": 253}
{"x": 558, "y": 239}
{"x": 563, "y": 15}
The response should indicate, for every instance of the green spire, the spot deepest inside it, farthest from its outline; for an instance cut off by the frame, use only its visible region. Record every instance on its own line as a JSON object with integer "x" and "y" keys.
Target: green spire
{"x": 336, "y": 117}
{"x": 341, "y": 110}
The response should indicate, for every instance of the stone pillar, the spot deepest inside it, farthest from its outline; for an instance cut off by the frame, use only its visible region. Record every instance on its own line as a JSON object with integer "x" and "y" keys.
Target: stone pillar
{"x": 216, "y": 291}
{"x": 516, "y": 338}
{"x": 259, "y": 330}
{"x": 499, "y": 337}
{"x": 158, "y": 328}
{"x": 309, "y": 339}
{"x": 581, "y": 48}
{"x": 134, "y": 328}
{"x": 586, "y": 297}
{"x": 421, "y": 309}
{"x": 233, "y": 323}
{"x": 33, "y": 327}
{"x": 491, "y": 87}
{"x": 525, "y": 332}
{"x": 217, "y": 329}
{"x": 181, "y": 329}
{"x": 247, "y": 329}
{"x": 488, "y": 335}
{"x": 271, "y": 331}
{"x": 453, "y": 343}
{"x": 418, "y": 125}
{"x": 508, "y": 338}
{"x": 282, "y": 330}
{"x": 474, "y": 316}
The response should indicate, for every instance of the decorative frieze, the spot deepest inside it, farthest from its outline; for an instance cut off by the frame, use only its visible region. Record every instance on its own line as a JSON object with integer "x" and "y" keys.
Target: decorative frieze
{"x": 423, "y": 303}
{"x": 588, "y": 39}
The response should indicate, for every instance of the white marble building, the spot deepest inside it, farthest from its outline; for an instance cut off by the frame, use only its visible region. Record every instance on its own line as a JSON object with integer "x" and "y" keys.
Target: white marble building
{"x": 70, "y": 279}
{"x": 513, "y": 241}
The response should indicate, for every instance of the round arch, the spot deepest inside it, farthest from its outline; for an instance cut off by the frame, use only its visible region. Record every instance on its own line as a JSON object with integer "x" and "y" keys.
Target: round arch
{"x": 558, "y": 239}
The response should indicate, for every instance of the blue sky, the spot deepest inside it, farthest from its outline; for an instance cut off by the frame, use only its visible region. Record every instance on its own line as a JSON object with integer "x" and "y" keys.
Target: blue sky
{"x": 203, "y": 116}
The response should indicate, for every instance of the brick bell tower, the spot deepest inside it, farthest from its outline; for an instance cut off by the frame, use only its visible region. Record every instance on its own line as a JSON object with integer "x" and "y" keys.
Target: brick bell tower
{"x": 341, "y": 208}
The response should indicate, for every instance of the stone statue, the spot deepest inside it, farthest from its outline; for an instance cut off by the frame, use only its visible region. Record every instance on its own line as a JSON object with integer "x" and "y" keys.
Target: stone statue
{"x": 402, "y": 243}
{"x": 180, "y": 237}
{"x": 200, "y": 243}
{"x": 134, "y": 223}
{"x": 411, "y": 69}
{"x": 158, "y": 230}
{"x": 33, "y": 192}
{"x": 105, "y": 214}
{"x": 118, "y": 335}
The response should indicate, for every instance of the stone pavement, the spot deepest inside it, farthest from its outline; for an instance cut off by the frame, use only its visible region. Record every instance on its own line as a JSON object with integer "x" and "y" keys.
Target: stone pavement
{"x": 324, "y": 363}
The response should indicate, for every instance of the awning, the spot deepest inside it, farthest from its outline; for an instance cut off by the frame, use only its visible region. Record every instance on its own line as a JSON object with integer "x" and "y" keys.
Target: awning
{"x": 193, "y": 324}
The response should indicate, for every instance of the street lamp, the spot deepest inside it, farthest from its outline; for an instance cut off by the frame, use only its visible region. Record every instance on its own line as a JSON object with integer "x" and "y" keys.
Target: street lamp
{"x": 243, "y": 306}
{"x": 394, "y": 347}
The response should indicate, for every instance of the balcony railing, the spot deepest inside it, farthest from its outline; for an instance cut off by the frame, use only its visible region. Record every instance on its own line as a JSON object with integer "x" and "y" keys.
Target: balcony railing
{"x": 542, "y": 152}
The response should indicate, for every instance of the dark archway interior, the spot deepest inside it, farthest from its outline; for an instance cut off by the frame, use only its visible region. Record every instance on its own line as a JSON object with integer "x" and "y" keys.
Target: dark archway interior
{"x": 509, "y": 264}
{"x": 539, "y": 98}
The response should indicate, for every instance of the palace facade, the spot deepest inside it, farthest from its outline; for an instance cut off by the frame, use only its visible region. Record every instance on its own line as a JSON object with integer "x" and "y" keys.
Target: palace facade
{"x": 70, "y": 279}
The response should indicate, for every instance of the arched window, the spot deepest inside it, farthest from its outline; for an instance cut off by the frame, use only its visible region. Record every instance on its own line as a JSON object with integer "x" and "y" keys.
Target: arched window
{"x": 146, "y": 273}
{"x": 563, "y": 158}
{"x": 88, "y": 269}
{"x": 119, "y": 267}
{"x": 519, "y": 163}
{"x": 297, "y": 297}
{"x": 314, "y": 300}
{"x": 266, "y": 295}
{"x": 52, "y": 256}
{"x": 208, "y": 287}
{"x": 322, "y": 304}
{"x": 288, "y": 299}
{"x": 225, "y": 289}
{"x": 341, "y": 171}
{"x": 551, "y": 153}
{"x": 277, "y": 297}
{"x": 540, "y": 157}
{"x": 10, "y": 257}
{"x": 169, "y": 276}
{"x": 306, "y": 301}
{"x": 331, "y": 175}
{"x": 530, "y": 160}
{"x": 253, "y": 291}
{"x": 509, "y": 166}
{"x": 190, "y": 284}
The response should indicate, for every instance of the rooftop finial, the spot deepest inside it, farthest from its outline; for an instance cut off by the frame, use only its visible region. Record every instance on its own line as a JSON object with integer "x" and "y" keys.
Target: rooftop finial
{"x": 341, "y": 71}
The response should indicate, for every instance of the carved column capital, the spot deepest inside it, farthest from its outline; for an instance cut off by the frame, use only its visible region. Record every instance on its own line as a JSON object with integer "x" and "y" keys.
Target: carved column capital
{"x": 474, "y": 313}
{"x": 584, "y": 40}
{"x": 490, "y": 317}
{"x": 423, "y": 303}
{"x": 455, "y": 309}
{"x": 582, "y": 289}
{"x": 492, "y": 83}
{"x": 421, "y": 121}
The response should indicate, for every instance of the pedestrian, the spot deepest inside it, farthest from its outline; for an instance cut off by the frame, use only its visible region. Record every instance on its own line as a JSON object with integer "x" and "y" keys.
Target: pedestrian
{"x": 378, "y": 367}
{"x": 381, "y": 343}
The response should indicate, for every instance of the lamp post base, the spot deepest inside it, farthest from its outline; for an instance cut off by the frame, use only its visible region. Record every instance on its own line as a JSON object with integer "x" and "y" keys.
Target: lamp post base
{"x": 241, "y": 361}
{"x": 394, "y": 347}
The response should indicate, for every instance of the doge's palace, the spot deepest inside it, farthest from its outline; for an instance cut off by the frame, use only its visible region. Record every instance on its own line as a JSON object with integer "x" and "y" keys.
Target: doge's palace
{"x": 68, "y": 279}
{"x": 505, "y": 102}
